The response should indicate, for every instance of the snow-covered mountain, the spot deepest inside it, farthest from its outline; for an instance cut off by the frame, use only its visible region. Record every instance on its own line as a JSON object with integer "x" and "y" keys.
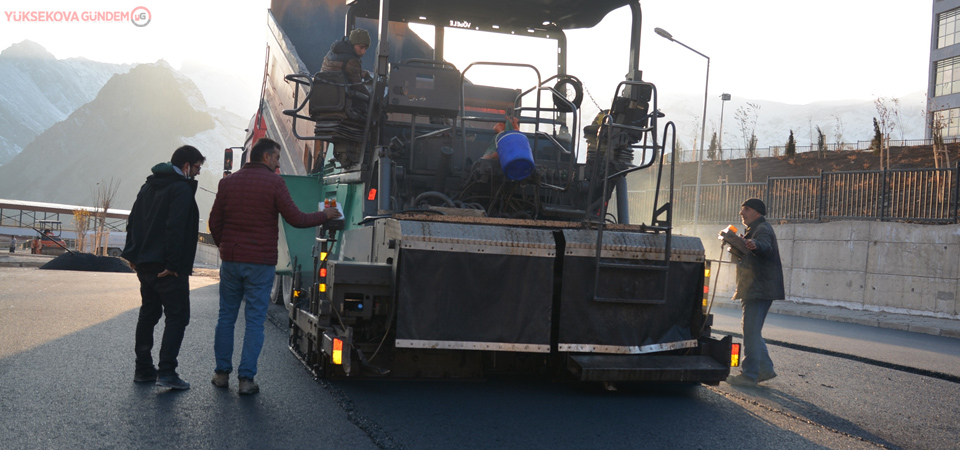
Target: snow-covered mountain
{"x": 78, "y": 134}
{"x": 137, "y": 120}
{"x": 39, "y": 90}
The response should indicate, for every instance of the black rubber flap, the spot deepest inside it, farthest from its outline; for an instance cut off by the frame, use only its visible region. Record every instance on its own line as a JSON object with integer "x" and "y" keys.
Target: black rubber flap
{"x": 473, "y": 297}
{"x": 584, "y": 320}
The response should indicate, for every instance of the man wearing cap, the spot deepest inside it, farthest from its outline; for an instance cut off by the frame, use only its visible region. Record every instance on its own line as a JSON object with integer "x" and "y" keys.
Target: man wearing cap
{"x": 344, "y": 56}
{"x": 759, "y": 283}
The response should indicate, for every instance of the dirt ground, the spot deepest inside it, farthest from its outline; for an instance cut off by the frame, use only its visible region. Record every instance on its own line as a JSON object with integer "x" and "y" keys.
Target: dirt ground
{"x": 208, "y": 273}
{"x": 809, "y": 164}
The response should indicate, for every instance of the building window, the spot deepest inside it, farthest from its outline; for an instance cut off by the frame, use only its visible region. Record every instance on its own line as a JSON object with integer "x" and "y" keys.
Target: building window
{"x": 950, "y": 120}
{"x": 948, "y": 77}
{"x": 948, "y": 33}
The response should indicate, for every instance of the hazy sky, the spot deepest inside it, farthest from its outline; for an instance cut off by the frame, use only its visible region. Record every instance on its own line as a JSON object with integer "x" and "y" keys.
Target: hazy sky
{"x": 792, "y": 52}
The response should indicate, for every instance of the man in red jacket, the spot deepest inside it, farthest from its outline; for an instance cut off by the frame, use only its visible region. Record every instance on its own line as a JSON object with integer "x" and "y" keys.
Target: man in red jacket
{"x": 243, "y": 223}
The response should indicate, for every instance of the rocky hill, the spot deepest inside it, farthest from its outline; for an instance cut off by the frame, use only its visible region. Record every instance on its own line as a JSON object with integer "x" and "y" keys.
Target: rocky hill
{"x": 39, "y": 90}
{"x": 137, "y": 120}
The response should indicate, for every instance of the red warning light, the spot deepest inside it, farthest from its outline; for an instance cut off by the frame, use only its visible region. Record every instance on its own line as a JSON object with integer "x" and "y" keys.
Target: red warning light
{"x": 337, "y": 355}
{"x": 734, "y": 355}
{"x": 372, "y": 195}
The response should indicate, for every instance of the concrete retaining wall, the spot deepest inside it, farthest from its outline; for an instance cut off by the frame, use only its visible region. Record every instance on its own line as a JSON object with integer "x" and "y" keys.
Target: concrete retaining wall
{"x": 874, "y": 266}
{"x": 207, "y": 255}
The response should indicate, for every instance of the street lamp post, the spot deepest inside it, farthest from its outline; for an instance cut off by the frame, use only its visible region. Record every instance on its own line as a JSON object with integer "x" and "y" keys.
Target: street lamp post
{"x": 723, "y": 99}
{"x": 703, "y": 120}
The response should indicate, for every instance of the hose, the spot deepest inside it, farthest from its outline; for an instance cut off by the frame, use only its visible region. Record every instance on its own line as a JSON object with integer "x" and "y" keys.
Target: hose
{"x": 434, "y": 194}
{"x": 716, "y": 280}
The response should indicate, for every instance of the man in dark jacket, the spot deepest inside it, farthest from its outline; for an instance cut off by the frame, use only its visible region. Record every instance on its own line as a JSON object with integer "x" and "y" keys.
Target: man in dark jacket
{"x": 344, "y": 56}
{"x": 243, "y": 223}
{"x": 759, "y": 283}
{"x": 161, "y": 245}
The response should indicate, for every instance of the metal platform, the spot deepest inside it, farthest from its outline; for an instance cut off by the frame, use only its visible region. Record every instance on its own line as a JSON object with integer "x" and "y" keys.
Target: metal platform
{"x": 665, "y": 368}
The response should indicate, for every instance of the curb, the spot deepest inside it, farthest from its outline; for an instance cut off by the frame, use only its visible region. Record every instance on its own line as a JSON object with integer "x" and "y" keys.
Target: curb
{"x": 903, "y": 322}
{"x": 24, "y": 260}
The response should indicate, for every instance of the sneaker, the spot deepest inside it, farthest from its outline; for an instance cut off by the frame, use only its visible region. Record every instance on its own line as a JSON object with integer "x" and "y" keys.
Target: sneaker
{"x": 172, "y": 381}
{"x": 741, "y": 380}
{"x": 142, "y": 376}
{"x": 248, "y": 386}
{"x": 221, "y": 380}
{"x": 764, "y": 376}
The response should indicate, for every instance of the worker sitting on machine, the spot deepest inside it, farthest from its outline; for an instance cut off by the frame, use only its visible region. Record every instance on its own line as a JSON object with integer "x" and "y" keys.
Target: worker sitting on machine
{"x": 344, "y": 56}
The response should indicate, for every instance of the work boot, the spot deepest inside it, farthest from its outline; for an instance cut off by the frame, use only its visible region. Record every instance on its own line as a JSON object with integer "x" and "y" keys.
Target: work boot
{"x": 764, "y": 376}
{"x": 145, "y": 375}
{"x": 248, "y": 386}
{"x": 741, "y": 380}
{"x": 172, "y": 381}
{"x": 221, "y": 379}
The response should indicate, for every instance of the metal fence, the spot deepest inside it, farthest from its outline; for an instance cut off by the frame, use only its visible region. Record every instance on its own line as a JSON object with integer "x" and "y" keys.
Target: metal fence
{"x": 765, "y": 152}
{"x": 905, "y": 195}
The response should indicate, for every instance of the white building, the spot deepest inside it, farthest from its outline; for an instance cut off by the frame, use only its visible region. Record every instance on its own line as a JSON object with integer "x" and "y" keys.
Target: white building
{"x": 943, "y": 84}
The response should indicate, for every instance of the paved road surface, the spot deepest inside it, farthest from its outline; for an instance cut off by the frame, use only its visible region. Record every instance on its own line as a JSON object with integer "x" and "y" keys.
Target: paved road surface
{"x": 916, "y": 350}
{"x": 66, "y": 371}
{"x": 66, "y": 367}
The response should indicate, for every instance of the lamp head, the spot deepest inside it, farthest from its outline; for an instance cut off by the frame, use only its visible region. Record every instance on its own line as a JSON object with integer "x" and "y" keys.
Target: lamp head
{"x": 663, "y": 33}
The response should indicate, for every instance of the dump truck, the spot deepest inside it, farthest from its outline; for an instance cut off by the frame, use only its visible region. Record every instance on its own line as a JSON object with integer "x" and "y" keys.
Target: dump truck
{"x": 486, "y": 229}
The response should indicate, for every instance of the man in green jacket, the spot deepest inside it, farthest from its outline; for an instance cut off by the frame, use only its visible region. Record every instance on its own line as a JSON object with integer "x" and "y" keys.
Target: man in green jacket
{"x": 759, "y": 283}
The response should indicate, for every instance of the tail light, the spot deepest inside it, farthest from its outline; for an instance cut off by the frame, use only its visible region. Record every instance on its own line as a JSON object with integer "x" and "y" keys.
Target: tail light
{"x": 706, "y": 285}
{"x": 337, "y": 355}
{"x": 734, "y": 355}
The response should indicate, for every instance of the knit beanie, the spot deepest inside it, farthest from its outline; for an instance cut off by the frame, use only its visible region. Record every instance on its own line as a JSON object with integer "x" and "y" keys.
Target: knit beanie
{"x": 757, "y": 205}
{"x": 360, "y": 36}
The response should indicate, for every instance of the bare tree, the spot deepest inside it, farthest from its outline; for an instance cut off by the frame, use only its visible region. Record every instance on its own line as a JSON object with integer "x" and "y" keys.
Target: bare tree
{"x": 886, "y": 124}
{"x": 838, "y": 132}
{"x": 696, "y": 137}
{"x": 677, "y": 154}
{"x": 103, "y": 195}
{"x": 747, "y": 120}
{"x": 81, "y": 223}
{"x": 938, "y": 122}
{"x": 712, "y": 149}
{"x": 896, "y": 116}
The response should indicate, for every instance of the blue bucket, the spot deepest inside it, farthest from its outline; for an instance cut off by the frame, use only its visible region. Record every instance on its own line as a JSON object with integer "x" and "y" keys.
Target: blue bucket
{"x": 516, "y": 159}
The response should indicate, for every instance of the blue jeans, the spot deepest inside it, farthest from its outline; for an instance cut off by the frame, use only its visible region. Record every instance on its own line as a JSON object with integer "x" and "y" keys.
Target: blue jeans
{"x": 756, "y": 360}
{"x": 239, "y": 281}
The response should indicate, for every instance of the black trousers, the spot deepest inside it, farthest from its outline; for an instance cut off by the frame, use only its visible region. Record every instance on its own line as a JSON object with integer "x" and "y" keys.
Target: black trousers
{"x": 168, "y": 296}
